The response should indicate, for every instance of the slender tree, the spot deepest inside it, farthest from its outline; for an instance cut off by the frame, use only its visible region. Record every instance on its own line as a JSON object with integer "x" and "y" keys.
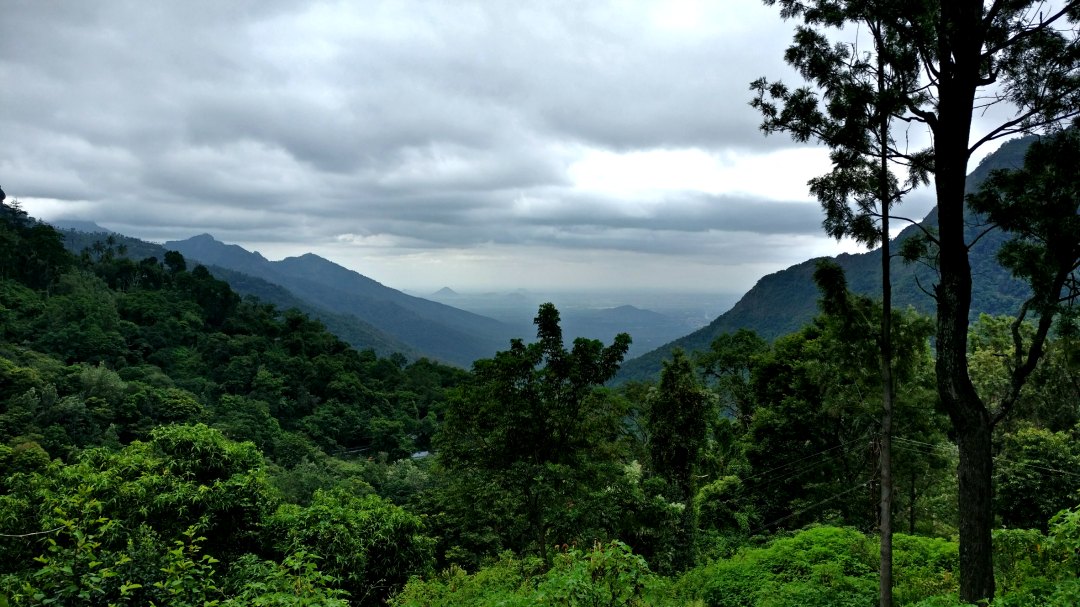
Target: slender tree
{"x": 970, "y": 55}
{"x": 858, "y": 91}
{"x": 678, "y": 420}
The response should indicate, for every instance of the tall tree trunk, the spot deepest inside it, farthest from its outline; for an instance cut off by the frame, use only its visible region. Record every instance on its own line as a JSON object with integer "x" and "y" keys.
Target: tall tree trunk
{"x": 976, "y": 514}
{"x": 911, "y": 505}
{"x": 885, "y": 569}
{"x": 885, "y": 595}
{"x": 960, "y": 39}
{"x": 969, "y": 417}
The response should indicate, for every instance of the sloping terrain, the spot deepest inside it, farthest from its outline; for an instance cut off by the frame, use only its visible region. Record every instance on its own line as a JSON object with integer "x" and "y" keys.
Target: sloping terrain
{"x": 438, "y": 330}
{"x": 81, "y": 235}
{"x": 782, "y": 302}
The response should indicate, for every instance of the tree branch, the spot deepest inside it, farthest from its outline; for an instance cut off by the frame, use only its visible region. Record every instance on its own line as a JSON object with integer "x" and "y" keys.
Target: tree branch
{"x": 1029, "y": 31}
{"x": 927, "y": 233}
{"x": 979, "y": 237}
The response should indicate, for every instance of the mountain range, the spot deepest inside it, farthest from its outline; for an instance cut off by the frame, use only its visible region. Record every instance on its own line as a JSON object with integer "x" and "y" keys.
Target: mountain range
{"x": 368, "y": 314}
{"x": 445, "y": 326}
{"x": 437, "y": 330}
{"x": 80, "y": 235}
{"x": 782, "y": 302}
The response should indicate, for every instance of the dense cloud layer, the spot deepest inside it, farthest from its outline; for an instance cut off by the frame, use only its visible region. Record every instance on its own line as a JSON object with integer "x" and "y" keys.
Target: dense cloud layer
{"x": 422, "y": 142}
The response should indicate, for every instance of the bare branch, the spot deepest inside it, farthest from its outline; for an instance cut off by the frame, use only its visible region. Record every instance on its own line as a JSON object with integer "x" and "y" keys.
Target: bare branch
{"x": 981, "y": 234}
{"x": 1029, "y": 360}
{"x": 929, "y": 235}
{"x": 1012, "y": 127}
{"x": 918, "y": 283}
{"x": 1029, "y": 31}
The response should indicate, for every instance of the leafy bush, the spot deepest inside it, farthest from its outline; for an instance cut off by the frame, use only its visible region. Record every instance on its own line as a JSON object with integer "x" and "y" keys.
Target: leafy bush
{"x": 295, "y": 582}
{"x": 608, "y": 574}
{"x": 369, "y": 544}
{"x": 923, "y": 566}
{"x": 822, "y": 566}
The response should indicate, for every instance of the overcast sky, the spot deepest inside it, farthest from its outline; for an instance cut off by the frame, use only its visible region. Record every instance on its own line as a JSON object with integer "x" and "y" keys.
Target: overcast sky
{"x": 477, "y": 145}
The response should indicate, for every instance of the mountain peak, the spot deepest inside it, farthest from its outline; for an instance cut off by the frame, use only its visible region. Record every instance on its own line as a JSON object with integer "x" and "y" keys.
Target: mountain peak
{"x": 310, "y": 258}
{"x": 80, "y": 226}
{"x": 781, "y": 302}
{"x": 209, "y": 250}
{"x": 445, "y": 292}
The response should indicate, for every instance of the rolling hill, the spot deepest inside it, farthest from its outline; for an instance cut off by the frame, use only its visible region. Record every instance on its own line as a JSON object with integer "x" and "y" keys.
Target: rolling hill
{"x": 80, "y": 235}
{"x": 438, "y": 330}
{"x": 782, "y": 302}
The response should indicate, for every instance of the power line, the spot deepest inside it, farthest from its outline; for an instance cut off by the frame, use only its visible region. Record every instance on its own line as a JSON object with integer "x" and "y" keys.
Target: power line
{"x": 811, "y": 506}
{"x": 812, "y": 455}
{"x": 791, "y": 474}
{"x": 31, "y": 534}
{"x": 951, "y": 449}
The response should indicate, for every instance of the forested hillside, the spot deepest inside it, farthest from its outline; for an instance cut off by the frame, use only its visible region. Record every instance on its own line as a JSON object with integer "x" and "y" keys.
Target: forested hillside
{"x": 164, "y": 441}
{"x": 440, "y": 331}
{"x": 784, "y": 301}
{"x": 86, "y": 236}
{"x": 145, "y": 406}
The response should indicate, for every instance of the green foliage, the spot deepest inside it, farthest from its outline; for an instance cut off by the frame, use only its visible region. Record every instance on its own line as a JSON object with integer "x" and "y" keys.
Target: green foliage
{"x": 819, "y": 566}
{"x": 852, "y": 96}
{"x": 608, "y": 574}
{"x": 822, "y": 566}
{"x": 677, "y": 424}
{"x": 371, "y": 546}
{"x": 186, "y": 475}
{"x": 189, "y": 576}
{"x": 922, "y": 567}
{"x": 1049, "y": 397}
{"x": 295, "y": 582}
{"x": 639, "y": 509}
{"x": 30, "y": 252}
{"x": 19, "y": 306}
{"x": 531, "y": 433}
{"x": 74, "y": 569}
{"x": 509, "y": 582}
{"x": 1037, "y": 205}
{"x": 298, "y": 484}
{"x": 990, "y": 364}
{"x": 817, "y": 402}
{"x": 187, "y": 350}
{"x": 727, "y": 366}
{"x": 80, "y": 322}
{"x": 202, "y": 454}
{"x": 129, "y": 528}
{"x": 1035, "y": 477}
{"x": 1033, "y": 569}
{"x": 718, "y": 505}
{"x": 112, "y": 348}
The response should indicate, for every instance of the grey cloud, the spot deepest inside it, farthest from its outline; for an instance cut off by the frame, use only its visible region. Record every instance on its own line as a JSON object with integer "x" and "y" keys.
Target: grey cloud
{"x": 421, "y": 124}
{"x": 675, "y": 227}
{"x": 685, "y": 213}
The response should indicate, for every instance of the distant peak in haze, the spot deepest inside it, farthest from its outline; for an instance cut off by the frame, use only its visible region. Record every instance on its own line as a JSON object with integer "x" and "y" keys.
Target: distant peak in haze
{"x": 445, "y": 292}
{"x": 80, "y": 226}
